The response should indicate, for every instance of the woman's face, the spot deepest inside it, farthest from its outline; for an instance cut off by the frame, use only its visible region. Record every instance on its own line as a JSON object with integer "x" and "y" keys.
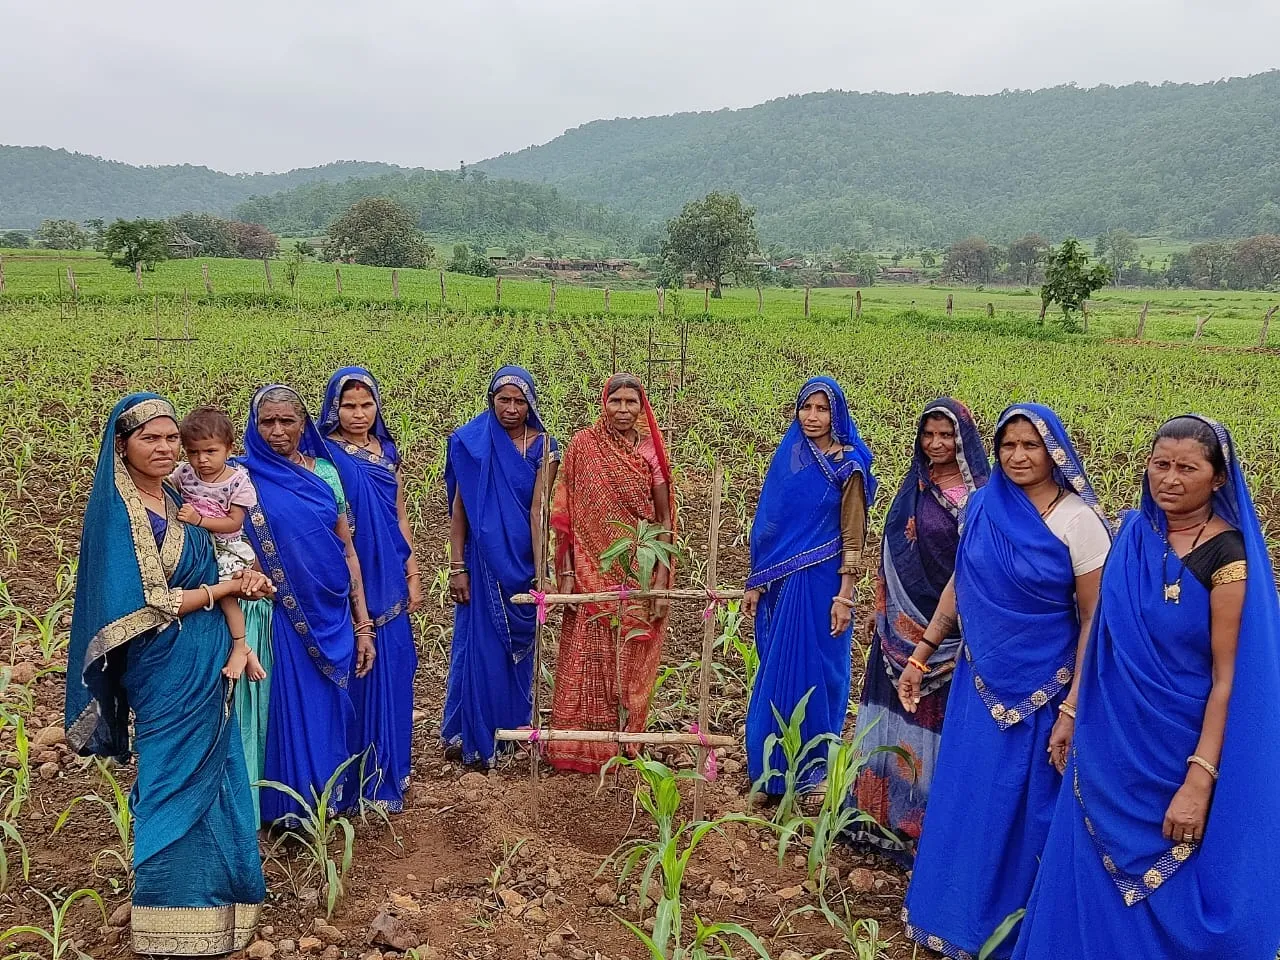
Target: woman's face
{"x": 1023, "y": 456}
{"x": 623, "y": 409}
{"x": 1180, "y": 476}
{"x": 152, "y": 449}
{"x": 281, "y": 426}
{"x": 938, "y": 440}
{"x": 357, "y": 410}
{"x": 815, "y": 416}
{"x": 510, "y": 407}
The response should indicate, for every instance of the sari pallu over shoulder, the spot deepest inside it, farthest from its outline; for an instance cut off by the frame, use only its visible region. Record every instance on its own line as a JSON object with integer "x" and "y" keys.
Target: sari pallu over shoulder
{"x": 1015, "y": 586}
{"x": 1146, "y": 679}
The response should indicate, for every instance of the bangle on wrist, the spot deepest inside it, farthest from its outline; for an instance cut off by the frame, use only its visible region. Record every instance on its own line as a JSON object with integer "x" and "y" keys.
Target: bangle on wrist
{"x": 1203, "y": 764}
{"x": 454, "y": 573}
{"x": 843, "y": 601}
{"x": 208, "y": 592}
{"x": 1067, "y": 709}
{"x": 918, "y": 664}
{"x": 929, "y": 643}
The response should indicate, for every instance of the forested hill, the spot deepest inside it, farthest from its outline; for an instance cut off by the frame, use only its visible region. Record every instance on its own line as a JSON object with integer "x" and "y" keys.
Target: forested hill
{"x": 446, "y": 204}
{"x": 1183, "y": 160}
{"x": 38, "y": 183}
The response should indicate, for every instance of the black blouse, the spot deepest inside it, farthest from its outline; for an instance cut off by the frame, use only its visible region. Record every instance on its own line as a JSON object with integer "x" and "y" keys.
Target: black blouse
{"x": 1219, "y": 560}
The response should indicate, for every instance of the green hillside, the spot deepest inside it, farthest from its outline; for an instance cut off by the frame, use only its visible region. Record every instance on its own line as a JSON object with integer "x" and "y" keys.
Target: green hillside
{"x": 1182, "y": 160}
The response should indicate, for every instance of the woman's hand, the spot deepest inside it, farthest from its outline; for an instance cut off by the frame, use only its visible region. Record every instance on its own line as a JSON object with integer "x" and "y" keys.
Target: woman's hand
{"x": 750, "y": 601}
{"x": 568, "y": 584}
{"x": 1060, "y": 741}
{"x": 841, "y": 617}
{"x": 189, "y": 514}
{"x": 459, "y": 587}
{"x": 415, "y": 592}
{"x": 1185, "y": 819}
{"x": 365, "y": 654}
{"x": 252, "y": 585}
{"x": 909, "y": 688}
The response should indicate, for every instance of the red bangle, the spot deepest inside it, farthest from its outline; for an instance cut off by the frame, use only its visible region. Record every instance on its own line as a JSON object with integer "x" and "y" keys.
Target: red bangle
{"x": 922, "y": 667}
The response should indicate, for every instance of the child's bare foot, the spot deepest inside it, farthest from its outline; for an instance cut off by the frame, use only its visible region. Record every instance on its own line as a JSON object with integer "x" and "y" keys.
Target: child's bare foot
{"x": 253, "y": 668}
{"x": 236, "y": 663}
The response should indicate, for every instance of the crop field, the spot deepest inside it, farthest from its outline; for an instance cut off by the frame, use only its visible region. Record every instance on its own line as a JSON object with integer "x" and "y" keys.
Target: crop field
{"x": 472, "y": 867}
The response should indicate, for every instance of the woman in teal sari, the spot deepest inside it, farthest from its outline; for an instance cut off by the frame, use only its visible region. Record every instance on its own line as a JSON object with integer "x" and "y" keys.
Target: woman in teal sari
{"x": 146, "y": 636}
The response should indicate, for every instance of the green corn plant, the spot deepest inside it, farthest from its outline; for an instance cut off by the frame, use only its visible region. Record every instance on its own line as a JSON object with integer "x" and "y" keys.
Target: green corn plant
{"x": 116, "y": 806}
{"x": 1001, "y": 933}
{"x": 315, "y": 830}
{"x": 706, "y": 936}
{"x": 15, "y": 780}
{"x": 729, "y": 620}
{"x": 502, "y": 868}
{"x": 59, "y": 945}
{"x": 799, "y": 758}
{"x": 16, "y": 699}
{"x": 10, "y": 836}
{"x": 860, "y": 935}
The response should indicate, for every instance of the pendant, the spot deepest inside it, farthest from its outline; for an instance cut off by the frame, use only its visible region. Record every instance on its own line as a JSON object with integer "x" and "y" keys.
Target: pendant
{"x": 1172, "y": 592}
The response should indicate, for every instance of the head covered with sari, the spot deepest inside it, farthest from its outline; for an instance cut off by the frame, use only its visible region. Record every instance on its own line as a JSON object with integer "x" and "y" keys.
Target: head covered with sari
{"x": 1147, "y": 676}
{"x": 292, "y": 530}
{"x": 496, "y": 483}
{"x": 921, "y": 534}
{"x": 122, "y": 585}
{"x": 1015, "y": 584}
{"x": 797, "y": 522}
{"x": 338, "y": 383}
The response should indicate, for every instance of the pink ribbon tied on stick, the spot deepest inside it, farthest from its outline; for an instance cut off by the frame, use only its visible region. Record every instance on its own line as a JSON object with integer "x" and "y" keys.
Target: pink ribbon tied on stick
{"x": 540, "y": 605}
{"x": 710, "y": 771}
{"x": 714, "y": 603}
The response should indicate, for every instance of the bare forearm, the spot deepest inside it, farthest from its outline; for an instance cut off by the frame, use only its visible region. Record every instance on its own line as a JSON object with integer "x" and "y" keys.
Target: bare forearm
{"x": 358, "y": 605}
{"x": 402, "y": 515}
{"x": 202, "y": 597}
{"x": 1082, "y": 644}
{"x": 457, "y": 533}
{"x": 942, "y": 625}
{"x": 222, "y": 524}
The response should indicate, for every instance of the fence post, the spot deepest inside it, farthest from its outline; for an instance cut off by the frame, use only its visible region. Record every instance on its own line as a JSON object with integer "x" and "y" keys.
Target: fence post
{"x": 442, "y": 296}
{"x": 806, "y": 303}
{"x": 1084, "y": 313}
{"x": 1262, "y": 342}
{"x": 497, "y": 292}
{"x": 662, "y": 301}
{"x": 1142, "y": 320}
{"x": 266, "y": 267}
{"x": 137, "y": 274}
{"x": 551, "y": 303}
{"x": 395, "y": 283}
{"x": 950, "y": 304}
{"x": 71, "y": 282}
{"x": 1, "y": 274}
{"x": 208, "y": 284}
{"x": 858, "y": 299}
{"x": 337, "y": 274}
{"x": 759, "y": 301}
{"x": 606, "y": 299}
{"x": 991, "y": 309}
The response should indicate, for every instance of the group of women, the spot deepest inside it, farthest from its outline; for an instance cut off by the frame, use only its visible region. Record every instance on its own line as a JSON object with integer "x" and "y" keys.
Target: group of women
{"x": 1054, "y": 719}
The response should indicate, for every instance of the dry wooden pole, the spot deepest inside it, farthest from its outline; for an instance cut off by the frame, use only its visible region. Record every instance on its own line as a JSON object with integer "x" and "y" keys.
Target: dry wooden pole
{"x": 551, "y": 305}
{"x": 1, "y": 274}
{"x": 442, "y": 296}
{"x": 857, "y": 295}
{"x": 542, "y": 559}
{"x": 612, "y": 736}
{"x": 604, "y": 596}
{"x": 806, "y": 303}
{"x": 266, "y": 268}
{"x": 950, "y": 304}
{"x": 71, "y": 283}
{"x": 497, "y": 291}
{"x": 991, "y": 309}
{"x": 662, "y": 301}
{"x": 606, "y": 299}
{"x": 1200, "y": 322}
{"x": 1084, "y": 316}
{"x": 208, "y": 284}
{"x": 395, "y": 284}
{"x": 706, "y": 300}
{"x": 708, "y": 631}
{"x": 1262, "y": 341}
{"x": 759, "y": 301}
{"x": 137, "y": 274}
{"x": 337, "y": 274}
{"x": 1142, "y": 320}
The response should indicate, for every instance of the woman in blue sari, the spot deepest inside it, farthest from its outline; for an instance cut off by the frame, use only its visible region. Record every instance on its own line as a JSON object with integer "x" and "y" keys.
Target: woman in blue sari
{"x": 1032, "y": 545}
{"x": 494, "y": 480}
{"x": 146, "y": 636}
{"x": 369, "y": 466}
{"x": 806, "y": 544}
{"x": 917, "y": 558}
{"x": 1163, "y": 845}
{"x": 321, "y": 633}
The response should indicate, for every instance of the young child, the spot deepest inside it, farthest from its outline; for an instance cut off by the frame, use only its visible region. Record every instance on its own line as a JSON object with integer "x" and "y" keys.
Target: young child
{"x": 215, "y": 497}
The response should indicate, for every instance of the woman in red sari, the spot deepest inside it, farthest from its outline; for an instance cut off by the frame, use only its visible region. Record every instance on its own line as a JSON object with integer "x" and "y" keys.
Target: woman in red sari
{"x": 615, "y": 473}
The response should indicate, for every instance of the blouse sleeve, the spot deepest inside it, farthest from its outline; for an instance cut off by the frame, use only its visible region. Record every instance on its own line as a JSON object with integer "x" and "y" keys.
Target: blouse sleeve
{"x": 242, "y": 493}
{"x": 853, "y": 524}
{"x": 1087, "y": 542}
{"x": 327, "y": 472}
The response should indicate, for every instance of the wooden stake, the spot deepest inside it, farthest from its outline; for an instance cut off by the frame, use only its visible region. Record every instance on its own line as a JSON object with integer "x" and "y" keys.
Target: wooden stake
{"x": 606, "y": 299}
{"x": 71, "y": 282}
{"x": 706, "y": 299}
{"x": 337, "y": 277}
{"x": 442, "y": 295}
{"x": 662, "y": 301}
{"x": 1, "y": 274}
{"x": 806, "y": 303}
{"x": 857, "y": 295}
{"x": 543, "y": 561}
{"x": 991, "y": 309}
{"x": 1200, "y": 322}
{"x": 497, "y": 292}
{"x": 208, "y": 284}
{"x": 1084, "y": 313}
{"x": 759, "y": 301}
{"x": 950, "y": 304}
{"x": 1262, "y": 341}
{"x": 266, "y": 268}
{"x": 137, "y": 274}
{"x": 551, "y": 305}
{"x": 612, "y": 736}
{"x": 1142, "y": 320}
{"x": 708, "y": 632}
{"x": 395, "y": 284}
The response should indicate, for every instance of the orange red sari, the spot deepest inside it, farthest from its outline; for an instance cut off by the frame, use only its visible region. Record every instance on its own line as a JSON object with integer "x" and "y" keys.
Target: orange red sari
{"x": 604, "y": 677}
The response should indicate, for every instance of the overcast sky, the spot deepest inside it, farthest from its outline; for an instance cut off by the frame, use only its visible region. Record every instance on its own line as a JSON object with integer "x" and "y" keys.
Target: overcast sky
{"x": 243, "y": 85}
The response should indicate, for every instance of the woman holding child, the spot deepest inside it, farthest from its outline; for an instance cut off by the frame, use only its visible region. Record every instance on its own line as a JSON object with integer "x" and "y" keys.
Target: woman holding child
{"x": 145, "y": 637}
{"x": 369, "y": 466}
{"x": 321, "y": 633}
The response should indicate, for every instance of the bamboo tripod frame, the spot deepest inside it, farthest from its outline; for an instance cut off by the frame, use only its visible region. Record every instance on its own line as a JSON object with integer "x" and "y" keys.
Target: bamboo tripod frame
{"x": 708, "y": 594}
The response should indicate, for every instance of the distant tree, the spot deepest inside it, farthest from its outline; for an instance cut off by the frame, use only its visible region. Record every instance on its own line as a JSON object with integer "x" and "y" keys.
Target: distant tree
{"x": 378, "y": 232}
{"x": 15, "y": 239}
{"x": 462, "y": 169}
{"x": 516, "y": 251}
{"x": 1255, "y": 262}
{"x": 461, "y": 258}
{"x": 714, "y": 237}
{"x": 1209, "y": 263}
{"x": 866, "y": 268}
{"x": 132, "y": 242}
{"x": 61, "y": 235}
{"x": 478, "y": 176}
{"x": 215, "y": 235}
{"x": 293, "y": 266}
{"x": 304, "y": 248}
{"x": 1026, "y": 253}
{"x": 928, "y": 258}
{"x": 1178, "y": 273}
{"x": 1069, "y": 280}
{"x": 1119, "y": 249}
{"x": 95, "y": 228}
{"x": 972, "y": 260}
{"x": 254, "y": 241}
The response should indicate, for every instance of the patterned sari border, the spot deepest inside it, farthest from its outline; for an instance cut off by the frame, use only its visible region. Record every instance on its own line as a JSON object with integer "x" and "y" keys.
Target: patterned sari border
{"x": 1134, "y": 889}
{"x": 193, "y": 931}
{"x": 1071, "y": 471}
{"x": 1006, "y": 716}
{"x": 286, "y": 599}
{"x": 368, "y": 456}
{"x": 399, "y": 607}
{"x": 810, "y": 558}
{"x": 934, "y": 943}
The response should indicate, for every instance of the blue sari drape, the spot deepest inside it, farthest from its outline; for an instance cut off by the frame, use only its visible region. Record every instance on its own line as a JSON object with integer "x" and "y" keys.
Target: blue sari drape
{"x": 1110, "y": 884}
{"x": 993, "y": 789}
{"x": 383, "y": 698}
{"x": 198, "y": 877}
{"x": 491, "y": 663}
{"x": 311, "y": 721}
{"x": 917, "y": 559}
{"x": 795, "y": 558}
